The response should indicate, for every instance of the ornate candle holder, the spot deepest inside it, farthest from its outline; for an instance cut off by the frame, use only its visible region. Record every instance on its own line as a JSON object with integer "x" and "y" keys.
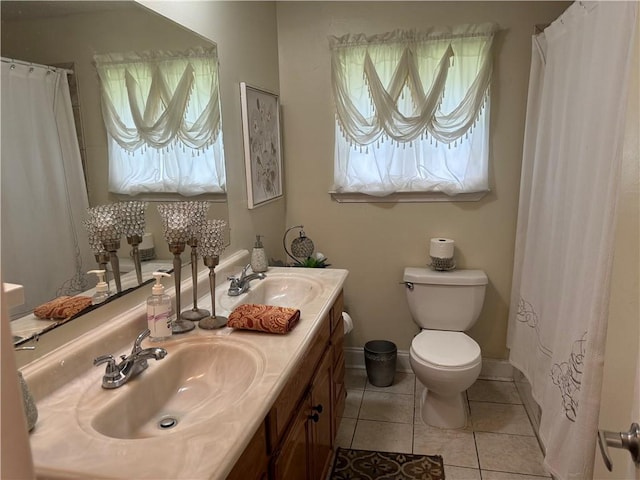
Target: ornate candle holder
{"x": 133, "y": 228}
{"x": 107, "y": 222}
{"x": 211, "y": 246}
{"x": 175, "y": 222}
{"x": 102, "y": 256}
{"x": 198, "y": 215}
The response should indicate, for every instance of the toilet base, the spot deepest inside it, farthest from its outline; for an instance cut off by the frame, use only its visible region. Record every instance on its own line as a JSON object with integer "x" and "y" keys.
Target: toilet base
{"x": 443, "y": 411}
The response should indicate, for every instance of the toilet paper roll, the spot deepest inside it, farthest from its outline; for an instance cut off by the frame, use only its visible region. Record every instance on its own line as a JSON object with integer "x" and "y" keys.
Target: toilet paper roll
{"x": 441, "y": 248}
{"x": 348, "y": 322}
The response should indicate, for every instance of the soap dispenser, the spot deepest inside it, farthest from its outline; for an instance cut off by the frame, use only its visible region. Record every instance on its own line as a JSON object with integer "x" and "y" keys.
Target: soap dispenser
{"x": 259, "y": 257}
{"x": 102, "y": 289}
{"x": 159, "y": 310}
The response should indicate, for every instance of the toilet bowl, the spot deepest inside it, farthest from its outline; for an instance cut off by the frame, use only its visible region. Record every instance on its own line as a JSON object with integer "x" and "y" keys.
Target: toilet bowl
{"x": 444, "y": 359}
{"x": 446, "y": 363}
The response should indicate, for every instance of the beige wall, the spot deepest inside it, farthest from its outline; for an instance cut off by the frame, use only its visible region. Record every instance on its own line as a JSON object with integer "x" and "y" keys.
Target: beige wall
{"x": 247, "y": 39}
{"x": 376, "y": 241}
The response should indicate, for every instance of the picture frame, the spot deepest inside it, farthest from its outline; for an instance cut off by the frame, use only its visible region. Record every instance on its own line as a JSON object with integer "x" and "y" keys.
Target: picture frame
{"x": 262, "y": 144}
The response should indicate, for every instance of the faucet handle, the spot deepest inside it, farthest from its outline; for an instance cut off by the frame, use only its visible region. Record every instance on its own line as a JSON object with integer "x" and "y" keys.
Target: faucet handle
{"x": 112, "y": 369}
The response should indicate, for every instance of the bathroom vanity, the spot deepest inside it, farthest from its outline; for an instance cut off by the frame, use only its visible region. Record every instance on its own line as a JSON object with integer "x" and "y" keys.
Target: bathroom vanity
{"x": 222, "y": 404}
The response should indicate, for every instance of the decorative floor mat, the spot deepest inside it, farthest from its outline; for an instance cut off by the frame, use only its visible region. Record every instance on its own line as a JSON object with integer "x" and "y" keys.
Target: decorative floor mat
{"x": 352, "y": 464}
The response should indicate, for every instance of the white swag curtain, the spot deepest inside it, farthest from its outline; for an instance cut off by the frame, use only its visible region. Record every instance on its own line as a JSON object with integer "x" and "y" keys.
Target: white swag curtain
{"x": 162, "y": 114}
{"x": 412, "y": 110}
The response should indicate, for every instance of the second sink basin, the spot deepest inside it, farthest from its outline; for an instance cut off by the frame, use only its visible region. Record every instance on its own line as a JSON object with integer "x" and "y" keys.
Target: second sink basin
{"x": 197, "y": 380}
{"x": 279, "y": 289}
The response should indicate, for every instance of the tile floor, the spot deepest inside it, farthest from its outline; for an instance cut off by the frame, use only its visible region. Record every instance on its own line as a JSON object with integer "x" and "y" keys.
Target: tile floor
{"x": 497, "y": 444}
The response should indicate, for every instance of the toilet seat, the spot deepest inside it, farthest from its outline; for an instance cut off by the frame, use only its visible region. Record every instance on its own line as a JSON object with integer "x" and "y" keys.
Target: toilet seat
{"x": 446, "y": 350}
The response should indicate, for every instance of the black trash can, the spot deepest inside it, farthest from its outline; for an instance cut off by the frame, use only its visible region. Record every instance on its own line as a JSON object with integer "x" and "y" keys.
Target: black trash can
{"x": 380, "y": 359}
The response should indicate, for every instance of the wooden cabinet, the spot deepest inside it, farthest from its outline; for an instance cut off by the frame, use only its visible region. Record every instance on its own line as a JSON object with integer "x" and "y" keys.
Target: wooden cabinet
{"x": 300, "y": 430}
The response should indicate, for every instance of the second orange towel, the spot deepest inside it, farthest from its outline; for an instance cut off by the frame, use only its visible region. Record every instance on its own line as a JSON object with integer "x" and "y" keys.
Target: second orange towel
{"x": 264, "y": 318}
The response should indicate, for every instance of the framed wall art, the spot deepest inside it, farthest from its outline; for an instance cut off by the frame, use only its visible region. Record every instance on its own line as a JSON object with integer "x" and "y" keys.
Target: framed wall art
{"x": 262, "y": 152}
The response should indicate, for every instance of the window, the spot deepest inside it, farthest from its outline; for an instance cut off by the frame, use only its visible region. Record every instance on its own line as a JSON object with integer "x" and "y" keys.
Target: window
{"x": 162, "y": 115}
{"x": 412, "y": 111}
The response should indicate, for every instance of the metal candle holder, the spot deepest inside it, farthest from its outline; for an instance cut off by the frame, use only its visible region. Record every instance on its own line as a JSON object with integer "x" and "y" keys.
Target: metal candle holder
{"x": 197, "y": 212}
{"x": 211, "y": 246}
{"x": 180, "y": 325}
{"x": 175, "y": 220}
{"x": 106, "y": 224}
{"x": 133, "y": 228}
{"x": 102, "y": 256}
{"x": 214, "y": 321}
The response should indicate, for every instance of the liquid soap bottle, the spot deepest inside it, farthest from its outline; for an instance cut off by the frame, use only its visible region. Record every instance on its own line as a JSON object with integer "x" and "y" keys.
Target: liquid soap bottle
{"x": 159, "y": 310}
{"x": 102, "y": 289}
{"x": 259, "y": 257}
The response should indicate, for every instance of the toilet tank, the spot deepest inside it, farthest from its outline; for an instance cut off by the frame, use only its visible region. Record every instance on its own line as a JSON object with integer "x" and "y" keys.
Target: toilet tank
{"x": 445, "y": 300}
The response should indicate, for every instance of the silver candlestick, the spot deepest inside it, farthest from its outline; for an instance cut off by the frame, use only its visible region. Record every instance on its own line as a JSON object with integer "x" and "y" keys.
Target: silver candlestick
{"x": 112, "y": 247}
{"x": 180, "y": 325}
{"x": 132, "y": 214}
{"x": 210, "y": 248}
{"x": 214, "y": 321}
{"x": 197, "y": 216}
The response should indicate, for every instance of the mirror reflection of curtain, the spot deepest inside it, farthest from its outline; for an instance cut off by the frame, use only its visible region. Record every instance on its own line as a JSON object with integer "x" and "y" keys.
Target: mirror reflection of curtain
{"x": 43, "y": 187}
{"x": 162, "y": 115}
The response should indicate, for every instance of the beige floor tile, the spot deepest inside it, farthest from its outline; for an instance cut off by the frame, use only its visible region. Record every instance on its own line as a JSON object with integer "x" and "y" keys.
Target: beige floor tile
{"x": 383, "y": 436}
{"x": 494, "y": 391}
{"x": 403, "y": 382}
{"x": 461, "y": 473}
{"x": 509, "y": 453}
{"x": 500, "y": 418}
{"x": 355, "y": 378}
{"x": 489, "y": 475}
{"x": 457, "y": 447}
{"x": 344, "y": 436}
{"x": 352, "y": 403}
{"x": 387, "y": 407}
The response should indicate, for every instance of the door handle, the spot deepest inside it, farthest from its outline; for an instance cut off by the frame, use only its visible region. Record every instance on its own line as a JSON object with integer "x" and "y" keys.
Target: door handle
{"x": 627, "y": 440}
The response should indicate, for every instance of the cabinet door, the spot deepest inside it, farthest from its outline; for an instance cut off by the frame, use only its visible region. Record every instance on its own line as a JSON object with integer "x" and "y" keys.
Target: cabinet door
{"x": 321, "y": 418}
{"x": 292, "y": 461}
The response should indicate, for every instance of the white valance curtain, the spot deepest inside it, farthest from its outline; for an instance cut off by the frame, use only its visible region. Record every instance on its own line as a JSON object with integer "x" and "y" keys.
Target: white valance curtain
{"x": 421, "y": 91}
{"x": 566, "y": 216}
{"x": 162, "y": 114}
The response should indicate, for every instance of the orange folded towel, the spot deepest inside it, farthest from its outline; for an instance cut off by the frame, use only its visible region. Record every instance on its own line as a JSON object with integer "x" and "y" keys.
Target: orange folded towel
{"x": 264, "y": 318}
{"x": 62, "y": 308}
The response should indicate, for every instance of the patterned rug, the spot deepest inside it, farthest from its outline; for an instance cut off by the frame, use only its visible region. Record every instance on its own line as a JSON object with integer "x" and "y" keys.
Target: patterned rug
{"x": 366, "y": 465}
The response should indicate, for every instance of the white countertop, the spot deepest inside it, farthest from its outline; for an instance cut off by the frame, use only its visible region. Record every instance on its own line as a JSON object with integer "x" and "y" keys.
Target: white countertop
{"x": 63, "y": 446}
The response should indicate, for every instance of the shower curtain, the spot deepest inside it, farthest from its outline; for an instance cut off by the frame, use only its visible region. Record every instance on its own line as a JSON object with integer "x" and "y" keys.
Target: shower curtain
{"x": 564, "y": 244}
{"x": 44, "y": 197}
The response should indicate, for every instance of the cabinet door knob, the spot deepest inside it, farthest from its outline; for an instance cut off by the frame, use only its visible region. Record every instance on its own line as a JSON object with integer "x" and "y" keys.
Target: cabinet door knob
{"x": 315, "y": 417}
{"x": 317, "y": 408}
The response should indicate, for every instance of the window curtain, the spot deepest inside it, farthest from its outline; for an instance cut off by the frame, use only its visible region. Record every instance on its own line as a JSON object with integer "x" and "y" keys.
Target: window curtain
{"x": 162, "y": 115}
{"x": 412, "y": 110}
{"x": 44, "y": 197}
{"x": 566, "y": 216}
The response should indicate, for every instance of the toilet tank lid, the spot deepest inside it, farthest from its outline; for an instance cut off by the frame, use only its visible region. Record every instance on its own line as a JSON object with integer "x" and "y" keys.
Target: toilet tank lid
{"x": 453, "y": 277}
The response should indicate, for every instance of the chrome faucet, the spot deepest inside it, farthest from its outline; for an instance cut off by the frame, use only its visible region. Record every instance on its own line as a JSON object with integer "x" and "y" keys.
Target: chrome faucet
{"x": 117, "y": 374}
{"x": 240, "y": 285}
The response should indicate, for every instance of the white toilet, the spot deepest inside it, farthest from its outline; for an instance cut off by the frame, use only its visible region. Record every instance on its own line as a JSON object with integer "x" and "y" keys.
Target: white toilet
{"x": 445, "y": 360}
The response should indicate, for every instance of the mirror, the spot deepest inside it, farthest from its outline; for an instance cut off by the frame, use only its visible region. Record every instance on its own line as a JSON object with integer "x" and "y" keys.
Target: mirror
{"x": 69, "y": 34}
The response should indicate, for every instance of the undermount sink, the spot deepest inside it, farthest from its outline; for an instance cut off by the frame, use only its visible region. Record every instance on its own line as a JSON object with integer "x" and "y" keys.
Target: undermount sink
{"x": 280, "y": 289}
{"x": 195, "y": 381}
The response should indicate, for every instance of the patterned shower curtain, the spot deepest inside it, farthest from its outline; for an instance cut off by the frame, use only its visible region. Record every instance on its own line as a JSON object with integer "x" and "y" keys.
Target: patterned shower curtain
{"x": 564, "y": 244}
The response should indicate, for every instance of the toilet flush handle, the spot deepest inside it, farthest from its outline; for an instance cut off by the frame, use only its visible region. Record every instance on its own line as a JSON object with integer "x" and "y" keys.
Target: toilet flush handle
{"x": 409, "y": 285}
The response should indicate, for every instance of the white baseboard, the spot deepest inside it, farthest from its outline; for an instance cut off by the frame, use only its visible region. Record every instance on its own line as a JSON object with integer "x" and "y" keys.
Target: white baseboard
{"x": 492, "y": 369}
